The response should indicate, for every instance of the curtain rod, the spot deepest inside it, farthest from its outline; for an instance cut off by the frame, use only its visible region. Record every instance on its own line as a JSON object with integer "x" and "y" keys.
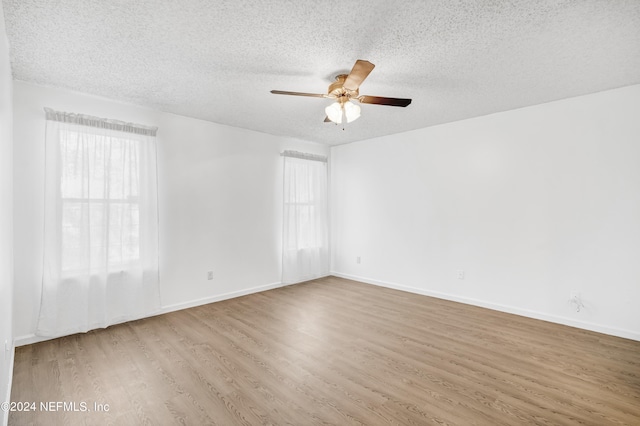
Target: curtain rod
{"x": 304, "y": 156}
{"x": 101, "y": 123}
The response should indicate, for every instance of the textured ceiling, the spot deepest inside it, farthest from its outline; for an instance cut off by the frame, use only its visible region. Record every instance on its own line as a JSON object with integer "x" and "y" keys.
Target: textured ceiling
{"x": 218, "y": 61}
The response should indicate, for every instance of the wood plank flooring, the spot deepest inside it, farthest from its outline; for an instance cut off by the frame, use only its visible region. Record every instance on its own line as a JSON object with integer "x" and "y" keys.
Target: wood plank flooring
{"x": 331, "y": 352}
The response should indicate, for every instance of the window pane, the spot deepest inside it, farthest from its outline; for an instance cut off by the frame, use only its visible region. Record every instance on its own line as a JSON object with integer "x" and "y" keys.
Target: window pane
{"x": 100, "y": 210}
{"x": 72, "y": 254}
{"x": 99, "y": 167}
{"x": 124, "y": 233}
{"x": 72, "y": 184}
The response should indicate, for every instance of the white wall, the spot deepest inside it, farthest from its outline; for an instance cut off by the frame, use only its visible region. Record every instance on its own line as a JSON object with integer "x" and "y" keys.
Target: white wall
{"x": 6, "y": 221}
{"x": 220, "y": 201}
{"x": 531, "y": 204}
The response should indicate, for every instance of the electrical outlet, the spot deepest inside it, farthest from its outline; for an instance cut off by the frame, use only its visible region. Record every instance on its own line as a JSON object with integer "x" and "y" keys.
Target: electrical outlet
{"x": 7, "y": 349}
{"x": 210, "y": 275}
{"x": 358, "y": 260}
{"x": 460, "y": 274}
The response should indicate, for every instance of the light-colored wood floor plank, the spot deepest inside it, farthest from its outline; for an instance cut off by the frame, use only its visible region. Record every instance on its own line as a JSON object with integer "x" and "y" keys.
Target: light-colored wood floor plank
{"x": 333, "y": 352}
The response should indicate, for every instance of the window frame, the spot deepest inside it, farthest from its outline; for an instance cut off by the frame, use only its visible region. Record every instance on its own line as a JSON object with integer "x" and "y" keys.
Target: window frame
{"x": 123, "y": 265}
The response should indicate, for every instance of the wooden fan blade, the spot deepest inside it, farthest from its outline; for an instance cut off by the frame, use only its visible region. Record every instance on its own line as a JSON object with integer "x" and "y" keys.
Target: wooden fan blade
{"x": 358, "y": 73}
{"x": 326, "y": 120}
{"x": 379, "y": 100}
{"x": 313, "y": 95}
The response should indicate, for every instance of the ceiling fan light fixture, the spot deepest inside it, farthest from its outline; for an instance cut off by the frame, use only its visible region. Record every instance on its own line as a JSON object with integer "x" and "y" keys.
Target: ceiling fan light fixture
{"x": 351, "y": 111}
{"x": 334, "y": 112}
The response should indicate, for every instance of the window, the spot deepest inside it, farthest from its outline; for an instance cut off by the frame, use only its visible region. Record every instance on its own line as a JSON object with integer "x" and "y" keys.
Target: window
{"x": 301, "y": 204}
{"x": 101, "y": 224}
{"x": 305, "y": 253}
{"x": 100, "y": 184}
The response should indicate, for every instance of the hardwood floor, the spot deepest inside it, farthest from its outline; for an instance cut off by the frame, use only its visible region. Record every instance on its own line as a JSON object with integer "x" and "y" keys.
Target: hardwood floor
{"x": 331, "y": 351}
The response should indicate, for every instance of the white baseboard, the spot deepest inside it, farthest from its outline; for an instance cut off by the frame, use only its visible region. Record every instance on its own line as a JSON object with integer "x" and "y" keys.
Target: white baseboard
{"x": 627, "y": 334}
{"x": 5, "y": 413}
{"x": 28, "y": 339}
{"x": 218, "y": 298}
{"x": 32, "y": 338}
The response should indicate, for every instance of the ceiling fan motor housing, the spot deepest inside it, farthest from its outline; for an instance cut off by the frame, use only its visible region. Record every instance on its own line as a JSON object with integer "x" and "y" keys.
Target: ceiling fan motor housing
{"x": 337, "y": 89}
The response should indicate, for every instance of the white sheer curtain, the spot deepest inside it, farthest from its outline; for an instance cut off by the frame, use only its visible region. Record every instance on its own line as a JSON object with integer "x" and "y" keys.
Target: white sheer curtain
{"x": 305, "y": 233}
{"x": 101, "y": 224}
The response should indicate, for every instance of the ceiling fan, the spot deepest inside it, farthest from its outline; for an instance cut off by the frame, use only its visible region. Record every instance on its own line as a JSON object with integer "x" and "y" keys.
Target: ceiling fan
{"x": 345, "y": 90}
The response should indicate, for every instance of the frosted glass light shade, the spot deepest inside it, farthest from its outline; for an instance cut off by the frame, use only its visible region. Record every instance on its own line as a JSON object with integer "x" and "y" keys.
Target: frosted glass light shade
{"x": 334, "y": 112}
{"x": 351, "y": 111}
